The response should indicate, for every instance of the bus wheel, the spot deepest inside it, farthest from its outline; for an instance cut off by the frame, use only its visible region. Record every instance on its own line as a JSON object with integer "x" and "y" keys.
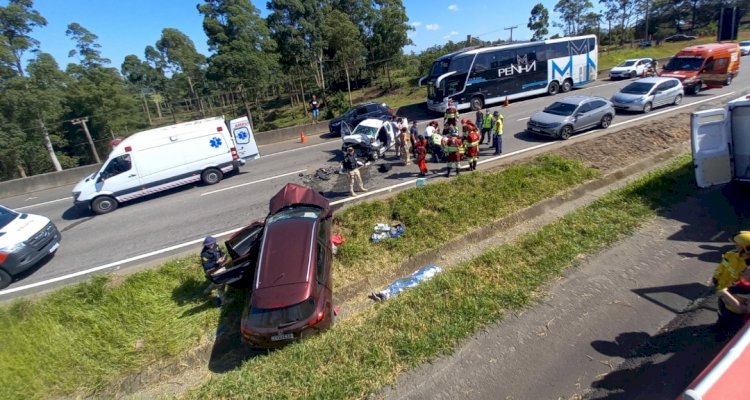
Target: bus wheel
{"x": 477, "y": 103}
{"x": 103, "y": 204}
{"x": 565, "y": 132}
{"x": 553, "y": 88}
{"x": 566, "y": 86}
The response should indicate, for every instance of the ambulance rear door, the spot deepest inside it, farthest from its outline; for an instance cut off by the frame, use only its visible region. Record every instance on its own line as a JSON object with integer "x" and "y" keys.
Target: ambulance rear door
{"x": 711, "y": 146}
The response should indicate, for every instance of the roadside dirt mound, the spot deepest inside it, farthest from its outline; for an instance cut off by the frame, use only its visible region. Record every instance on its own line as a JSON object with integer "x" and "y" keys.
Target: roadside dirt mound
{"x": 629, "y": 145}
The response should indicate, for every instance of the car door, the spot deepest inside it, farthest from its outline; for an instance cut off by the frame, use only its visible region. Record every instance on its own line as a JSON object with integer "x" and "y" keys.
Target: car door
{"x": 639, "y": 67}
{"x": 586, "y": 117}
{"x": 359, "y": 116}
{"x": 661, "y": 94}
{"x": 243, "y": 248}
{"x": 119, "y": 176}
{"x": 244, "y": 140}
{"x": 711, "y": 144}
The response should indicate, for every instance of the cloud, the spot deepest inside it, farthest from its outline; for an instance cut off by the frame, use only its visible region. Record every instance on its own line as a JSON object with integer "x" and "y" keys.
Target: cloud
{"x": 453, "y": 8}
{"x": 432, "y": 27}
{"x": 453, "y": 33}
{"x": 416, "y": 23}
{"x": 448, "y": 36}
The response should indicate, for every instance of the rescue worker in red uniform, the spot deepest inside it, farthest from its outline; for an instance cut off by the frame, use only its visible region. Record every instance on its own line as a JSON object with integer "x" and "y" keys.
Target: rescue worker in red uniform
{"x": 451, "y": 115}
{"x": 472, "y": 145}
{"x": 421, "y": 149}
{"x": 452, "y": 149}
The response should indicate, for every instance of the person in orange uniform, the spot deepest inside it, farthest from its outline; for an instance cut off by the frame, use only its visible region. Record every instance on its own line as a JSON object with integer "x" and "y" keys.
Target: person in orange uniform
{"x": 452, "y": 149}
{"x": 471, "y": 143}
{"x": 421, "y": 149}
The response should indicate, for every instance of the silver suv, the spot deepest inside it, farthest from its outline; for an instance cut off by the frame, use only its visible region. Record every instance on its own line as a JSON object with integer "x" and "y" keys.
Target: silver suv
{"x": 648, "y": 93}
{"x": 571, "y": 114}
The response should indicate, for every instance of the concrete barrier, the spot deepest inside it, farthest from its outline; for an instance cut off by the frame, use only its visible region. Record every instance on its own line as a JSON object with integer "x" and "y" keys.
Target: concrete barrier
{"x": 49, "y": 180}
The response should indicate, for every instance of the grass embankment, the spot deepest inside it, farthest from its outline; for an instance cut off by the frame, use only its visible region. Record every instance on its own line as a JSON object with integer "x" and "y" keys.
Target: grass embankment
{"x": 81, "y": 338}
{"x": 362, "y": 354}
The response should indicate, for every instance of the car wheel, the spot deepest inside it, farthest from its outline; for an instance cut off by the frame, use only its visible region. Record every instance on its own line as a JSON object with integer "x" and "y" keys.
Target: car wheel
{"x": 647, "y": 107}
{"x": 566, "y": 86}
{"x": 553, "y": 88}
{"x": 565, "y": 132}
{"x": 211, "y": 176}
{"x": 5, "y": 279}
{"x": 606, "y": 121}
{"x": 677, "y": 99}
{"x": 477, "y": 103}
{"x": 374, "y": 156}
{"x": 729, "y": 80}
{"x": 697, "y": 88}
{"x": 632, "y": 74}
{"x": 103, "y": 204}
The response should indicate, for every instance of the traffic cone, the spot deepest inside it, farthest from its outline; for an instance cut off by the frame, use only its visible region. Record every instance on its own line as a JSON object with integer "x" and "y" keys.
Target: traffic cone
{"x": 302, "y": 138}
{"x": 506, "y": 103}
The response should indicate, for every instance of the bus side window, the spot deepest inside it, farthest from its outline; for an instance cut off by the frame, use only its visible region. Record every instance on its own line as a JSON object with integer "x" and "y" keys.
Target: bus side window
{"x": 558, "y": 50}
{"x": 482, "y": 63}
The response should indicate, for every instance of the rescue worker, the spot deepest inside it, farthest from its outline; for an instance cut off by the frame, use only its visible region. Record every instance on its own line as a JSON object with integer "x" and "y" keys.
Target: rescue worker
{"x": 436, "y": 146}
{"x": 451, "y": 114}
{"x": 732, "y": 280}
{"x": 733, "y": 263}
{"x": 421, "y": 149}
{"x": 405, "y": 140}
{"x": 212, "y": 260}
{"x": 487, "y": 123}
{"x": 497, "y": 132}
{"x": 453, "y": 154}
{"x": 351, "y": 167}
{"x": 472, "y": 146}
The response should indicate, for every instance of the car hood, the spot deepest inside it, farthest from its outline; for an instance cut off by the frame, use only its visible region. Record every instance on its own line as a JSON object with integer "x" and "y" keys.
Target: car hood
{"x": 621, "y": 69}
{"x": 293, "y": 194}
{"x": 22, "y": 228}
{"x": 545, "y": 118}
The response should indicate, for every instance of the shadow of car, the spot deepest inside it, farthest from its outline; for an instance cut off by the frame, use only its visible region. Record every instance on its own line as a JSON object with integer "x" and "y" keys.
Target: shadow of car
{"x": 571, "y": 114}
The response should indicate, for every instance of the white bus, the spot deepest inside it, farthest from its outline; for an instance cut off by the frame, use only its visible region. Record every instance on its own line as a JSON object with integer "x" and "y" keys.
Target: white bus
{"x": 474, "y": 77}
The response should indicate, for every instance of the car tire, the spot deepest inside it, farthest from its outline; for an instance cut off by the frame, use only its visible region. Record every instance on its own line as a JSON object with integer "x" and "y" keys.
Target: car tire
{"x": 633, "y": 74}
{"x": 677, "y": 100}
{"x": 567, "y": 85}
{"x": 728, "y": 81}
{"x": 477, "y": 103}
{"x": 647, "y": 108}
{"x": 697, "y": 88}
{"x": 103, "y": 205}
{"x": 211, "y": 176}
{"x": 5, "y": 279}
{"x": 565, "y": 132}
{"x": 606, "y": 121}
{"x": 554, "y": 88}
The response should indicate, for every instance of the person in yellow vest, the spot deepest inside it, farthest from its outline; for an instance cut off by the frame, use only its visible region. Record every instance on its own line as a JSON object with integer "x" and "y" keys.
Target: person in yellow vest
{"x": 452, "y": 150}
{"x": 497, "y": 132}
{"x": 487, "y": 123}
{"x": 472, "y": 145}
{"x": 733, "y": 263}
{"x": 436, "y": 147}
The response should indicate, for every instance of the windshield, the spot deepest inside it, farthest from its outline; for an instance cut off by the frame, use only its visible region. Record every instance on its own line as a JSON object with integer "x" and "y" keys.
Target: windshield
{"x": 282, "y": 317}
{"x": 744, "y": 43}
{"x": 439, "y": 67}
{"x": 626, "y": 63}
{"x": 637, "y": 88}
{"x": 558, "y": 108}
{"x": 294, "y": 212}
{"x": 684, "y": 64}
{"x": 365, "y": 130}
{"x": 6, "y": 216}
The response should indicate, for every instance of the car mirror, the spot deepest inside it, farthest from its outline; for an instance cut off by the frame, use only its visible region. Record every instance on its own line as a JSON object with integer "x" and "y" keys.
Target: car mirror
{"x": 100, "y": 178}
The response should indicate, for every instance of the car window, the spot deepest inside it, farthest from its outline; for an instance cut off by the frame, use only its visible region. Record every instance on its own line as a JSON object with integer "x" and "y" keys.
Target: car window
{"x": 6, "y": 216}
{"x": 585, "y": 107}
{"x": 597, "y": 104}
{"x": 361, "y": 110}
{"x": 559, "y": 108}
{"x": 117, "y": 166}
{"x": 637, "y": 88}
{"x": 372, "y": 108}
{"x": 663, "y": 86}
{"x": 320, "y": 261}
{"x": 627, "y": 63}
{"x": 280, "y": 317}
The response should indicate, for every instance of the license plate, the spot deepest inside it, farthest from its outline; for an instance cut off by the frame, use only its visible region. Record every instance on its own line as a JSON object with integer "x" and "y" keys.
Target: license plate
{"x": 54, "y": 247}
{"x": 283, "y": 336}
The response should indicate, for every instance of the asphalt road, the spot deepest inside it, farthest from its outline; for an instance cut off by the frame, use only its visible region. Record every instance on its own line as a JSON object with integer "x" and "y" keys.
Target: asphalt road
{"x": 145, "y": 231}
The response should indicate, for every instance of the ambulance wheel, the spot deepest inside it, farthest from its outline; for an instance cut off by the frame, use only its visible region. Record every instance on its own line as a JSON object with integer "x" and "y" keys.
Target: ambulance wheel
{"x": 211, "y": 176}
{"x": 5, "y": 279}
{"x": 477, "y": 103}
{"x": 553, "y": 88}
{"x": 103, "y": 204}
{"x": 566, "y": 86}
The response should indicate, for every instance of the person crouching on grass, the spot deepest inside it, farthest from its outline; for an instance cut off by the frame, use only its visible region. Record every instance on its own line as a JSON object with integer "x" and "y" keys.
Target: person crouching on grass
{"x": 212, "y": 260}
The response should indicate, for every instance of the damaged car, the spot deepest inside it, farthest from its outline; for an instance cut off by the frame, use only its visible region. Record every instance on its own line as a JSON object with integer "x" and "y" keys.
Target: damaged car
{"x": 285, "y": 261}
{"x": 371, "y": 138}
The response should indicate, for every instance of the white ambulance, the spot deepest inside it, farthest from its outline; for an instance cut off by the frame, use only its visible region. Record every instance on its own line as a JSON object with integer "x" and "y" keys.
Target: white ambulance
{"x": 163, "y": 158}
{"x": 721, "y": 143}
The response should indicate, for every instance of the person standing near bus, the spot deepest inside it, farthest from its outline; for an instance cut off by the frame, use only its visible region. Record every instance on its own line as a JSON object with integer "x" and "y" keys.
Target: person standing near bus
{"x": 472, "y": 145}
{"x": 497, "y": 132}
{"x": 487, "y": 124}
{"x": 453, "y": 153}
{"x": 479, "y": 118}
{"x": 451, "y": 114}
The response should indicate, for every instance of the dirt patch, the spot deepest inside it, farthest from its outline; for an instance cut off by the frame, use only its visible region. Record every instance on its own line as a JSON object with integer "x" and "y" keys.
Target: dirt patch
{"x": 607, "y": 151}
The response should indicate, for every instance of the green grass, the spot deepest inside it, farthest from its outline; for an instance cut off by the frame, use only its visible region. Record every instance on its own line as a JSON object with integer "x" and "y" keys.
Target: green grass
{"x": 82, "y": 338}
{"x": 362, "y": 354}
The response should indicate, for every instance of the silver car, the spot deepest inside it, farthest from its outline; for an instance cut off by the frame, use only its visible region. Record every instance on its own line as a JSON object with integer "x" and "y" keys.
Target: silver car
{"x": 648, "y": 93}
{"x": 571, "y": 114}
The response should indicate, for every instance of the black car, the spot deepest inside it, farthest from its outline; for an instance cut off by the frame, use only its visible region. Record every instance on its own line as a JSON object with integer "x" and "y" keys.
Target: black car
{"x": 679, "y": 38}
{"x": 359, "y": 113}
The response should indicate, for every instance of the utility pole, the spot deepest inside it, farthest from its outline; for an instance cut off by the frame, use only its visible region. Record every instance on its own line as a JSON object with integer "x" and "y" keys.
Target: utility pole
{"x": 48, "y": 145}
{"x": 648, "y": 37}
{"x": 510, "y": 28}
{"x": 82, "y": 122}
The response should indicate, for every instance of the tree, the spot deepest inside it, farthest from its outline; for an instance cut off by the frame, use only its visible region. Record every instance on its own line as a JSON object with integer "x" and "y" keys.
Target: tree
{"x": 622, "y": 11}
{"x": 389, "y": 33}
{"x": 344, "y": 44}
{"x": 572, "y": 13}
{"x": 178, "y": 56}
{"x": 243, "y": 49}
{"x": 17, "y": 20}
{"x": 87, "y": 48}
{"x": 539, "y": 22}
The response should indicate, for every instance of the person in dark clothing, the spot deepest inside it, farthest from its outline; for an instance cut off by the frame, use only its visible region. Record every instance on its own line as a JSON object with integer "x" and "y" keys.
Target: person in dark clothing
{"x": 351, "y": 167}
{"x": 212, "y": 260}
{"x": 414, "y": 132}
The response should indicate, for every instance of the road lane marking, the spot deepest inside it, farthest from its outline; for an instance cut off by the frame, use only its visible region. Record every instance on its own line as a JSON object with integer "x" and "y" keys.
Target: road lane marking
{"x": 46, "y": 202}
{"x": 292, "y": 150}
{"x": 254, "y": 182}
{"x": 523, "y": 119}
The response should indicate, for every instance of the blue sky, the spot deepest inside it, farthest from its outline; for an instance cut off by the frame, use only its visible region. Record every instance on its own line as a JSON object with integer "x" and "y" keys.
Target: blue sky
{"x": 128, "y": 26}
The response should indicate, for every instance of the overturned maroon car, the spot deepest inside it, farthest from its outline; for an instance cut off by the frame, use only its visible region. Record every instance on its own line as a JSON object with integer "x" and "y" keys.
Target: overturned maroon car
{"x": 286, "y": 262}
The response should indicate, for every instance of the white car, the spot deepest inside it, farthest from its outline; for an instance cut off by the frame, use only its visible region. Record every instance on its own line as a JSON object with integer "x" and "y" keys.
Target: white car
{"x": 632, "y": 68}
{"x": 744, "y": 47}
{"x": 371, "y": 138}
{"x": 25, "y": 240}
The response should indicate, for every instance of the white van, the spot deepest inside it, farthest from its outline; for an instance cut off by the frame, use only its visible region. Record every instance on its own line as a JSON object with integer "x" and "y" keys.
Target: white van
{"x": 25, "y": 240}
{"x": 721, "y": 143}
{"x": 163, "y": 158}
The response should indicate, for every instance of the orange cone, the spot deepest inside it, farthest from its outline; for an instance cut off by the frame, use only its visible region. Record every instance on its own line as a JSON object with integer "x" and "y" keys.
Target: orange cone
{"x": 302, "y": 138}
{"x": 506, "y": 103}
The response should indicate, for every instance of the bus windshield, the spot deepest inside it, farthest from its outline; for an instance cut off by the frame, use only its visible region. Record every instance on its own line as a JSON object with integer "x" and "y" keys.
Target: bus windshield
{"x": 458, "y": 64}
{"x": 439, "y": 67}
{"x": 684, "y": 64}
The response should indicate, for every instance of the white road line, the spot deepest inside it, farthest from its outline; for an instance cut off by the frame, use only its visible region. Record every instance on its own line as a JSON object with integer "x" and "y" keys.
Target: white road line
{"x": 523, "y": 119}
{"x": 345, "y": 200}
{"x": 292, "y": 150}
{"x": 113, "y": 264}
{"x": 46, "y": 202}
{"x": 254, "y": 182}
